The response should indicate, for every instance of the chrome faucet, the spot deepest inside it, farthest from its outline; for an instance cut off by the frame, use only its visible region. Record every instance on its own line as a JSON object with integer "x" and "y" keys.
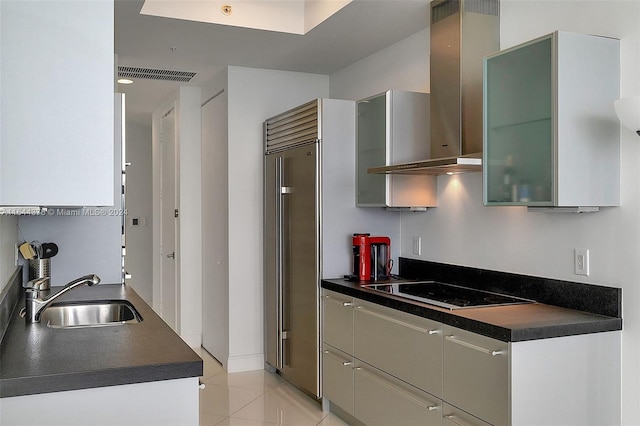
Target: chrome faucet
{"x": 36, "y": 289}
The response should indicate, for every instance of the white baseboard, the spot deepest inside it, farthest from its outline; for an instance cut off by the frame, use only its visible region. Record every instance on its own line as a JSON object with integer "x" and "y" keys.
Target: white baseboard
{"x": 237, "y": 364}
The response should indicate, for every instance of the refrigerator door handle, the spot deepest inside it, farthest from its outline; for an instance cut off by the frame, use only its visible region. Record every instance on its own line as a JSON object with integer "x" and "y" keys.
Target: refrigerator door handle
{"x": 279, "y": 257}
{"x": 280, "y": 286}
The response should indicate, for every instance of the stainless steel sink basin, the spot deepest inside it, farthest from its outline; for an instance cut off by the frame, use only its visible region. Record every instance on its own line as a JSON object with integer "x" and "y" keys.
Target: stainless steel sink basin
{"x": 98, "y": 313}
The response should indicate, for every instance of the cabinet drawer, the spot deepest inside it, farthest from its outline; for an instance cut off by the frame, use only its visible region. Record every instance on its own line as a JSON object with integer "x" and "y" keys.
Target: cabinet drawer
{"x": 337, "y": 378}
{"x": 337, "y": 320}
{"x": 383, "y": 400}
{"x": 476, "y": 375}
{"x": 452, "y": 416}
{"x": 404, "y": 345}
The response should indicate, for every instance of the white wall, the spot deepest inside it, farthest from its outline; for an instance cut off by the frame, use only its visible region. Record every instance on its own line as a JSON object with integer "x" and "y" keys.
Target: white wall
{"x": 190, "y": 252}
{"x": 253, "y": 95}
{"x": 461, "y": 231}
{"x": 139, "y": 239}
{"x": 215, "y": 220}
{"x": 402, "y": 66}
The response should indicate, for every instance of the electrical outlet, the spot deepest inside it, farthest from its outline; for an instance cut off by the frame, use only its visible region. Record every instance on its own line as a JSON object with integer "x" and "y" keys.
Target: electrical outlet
{"x": 417, "y": 245}
{"x": 581, "y": 261}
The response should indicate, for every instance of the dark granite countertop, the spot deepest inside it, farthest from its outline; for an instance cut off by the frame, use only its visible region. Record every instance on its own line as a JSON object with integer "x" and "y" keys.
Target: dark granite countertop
{"x": 512, "y": 323}
{"x": 37, "y": 359}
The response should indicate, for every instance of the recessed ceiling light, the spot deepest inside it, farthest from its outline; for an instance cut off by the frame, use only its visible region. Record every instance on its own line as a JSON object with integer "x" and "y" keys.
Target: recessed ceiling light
{"x": 125, "y": 81}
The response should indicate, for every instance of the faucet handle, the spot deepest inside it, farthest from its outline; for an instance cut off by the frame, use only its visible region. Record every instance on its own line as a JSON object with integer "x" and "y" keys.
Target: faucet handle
{"x": 38, "y": 284}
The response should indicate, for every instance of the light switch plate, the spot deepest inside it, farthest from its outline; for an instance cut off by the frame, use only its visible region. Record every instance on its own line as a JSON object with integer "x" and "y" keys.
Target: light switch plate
{"x": 417, "y": 245}
{"x": 581, "y": 261}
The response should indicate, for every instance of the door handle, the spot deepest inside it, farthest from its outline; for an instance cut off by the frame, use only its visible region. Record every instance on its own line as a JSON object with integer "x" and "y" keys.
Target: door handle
{"x": 172, "y": 255}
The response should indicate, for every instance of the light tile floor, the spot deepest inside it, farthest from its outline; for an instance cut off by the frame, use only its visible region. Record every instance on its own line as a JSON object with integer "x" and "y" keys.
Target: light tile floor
{"x": 255, "y": 398}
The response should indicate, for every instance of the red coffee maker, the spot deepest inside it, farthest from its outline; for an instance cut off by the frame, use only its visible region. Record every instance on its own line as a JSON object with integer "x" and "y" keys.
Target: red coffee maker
{"x": 371, "y": 257}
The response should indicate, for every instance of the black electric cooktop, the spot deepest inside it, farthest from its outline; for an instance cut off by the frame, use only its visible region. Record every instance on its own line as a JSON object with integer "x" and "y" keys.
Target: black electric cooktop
{"x": 447, "y": 295}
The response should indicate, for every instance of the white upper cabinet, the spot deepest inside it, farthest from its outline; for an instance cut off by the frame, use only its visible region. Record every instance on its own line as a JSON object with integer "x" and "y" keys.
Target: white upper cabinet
{"x": 551, "y": 134}
{"x": 393, "y": 127}
{"x": 56, "y": 86}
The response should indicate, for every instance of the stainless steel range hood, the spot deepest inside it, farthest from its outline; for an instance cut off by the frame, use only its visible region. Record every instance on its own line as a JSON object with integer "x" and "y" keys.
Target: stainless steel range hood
{"x": 463, "y": 32}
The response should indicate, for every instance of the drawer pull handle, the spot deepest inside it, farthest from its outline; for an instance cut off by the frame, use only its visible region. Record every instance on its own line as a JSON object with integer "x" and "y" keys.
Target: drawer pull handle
{"x": 338, "y": 302}
{"x": 375, "y": 378}
{"x": 338, "y": 358}
{"x": 395, "y": 321}
{"x": 454, "y": 419}
{"x": 492, "y": 352}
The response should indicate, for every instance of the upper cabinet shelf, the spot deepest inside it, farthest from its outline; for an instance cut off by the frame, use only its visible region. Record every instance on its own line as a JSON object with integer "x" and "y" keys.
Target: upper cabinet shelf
{"x": 551, "y": 137}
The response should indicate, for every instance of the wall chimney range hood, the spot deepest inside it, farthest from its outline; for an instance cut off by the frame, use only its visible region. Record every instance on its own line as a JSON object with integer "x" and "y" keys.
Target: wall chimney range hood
{"x": 463, "y": 32}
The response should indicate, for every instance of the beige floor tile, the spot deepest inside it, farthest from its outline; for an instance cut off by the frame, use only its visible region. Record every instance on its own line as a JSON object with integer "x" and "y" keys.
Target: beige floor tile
{"x": 259, "y": 380}
{"x": 332, "y": 420}
{"x": 210, "y": 419}
{"x": 232, "y": 421}
{"x": 223, "y": 400}
{"x": 283, "y": 405}
{"x": 211, "y": 366}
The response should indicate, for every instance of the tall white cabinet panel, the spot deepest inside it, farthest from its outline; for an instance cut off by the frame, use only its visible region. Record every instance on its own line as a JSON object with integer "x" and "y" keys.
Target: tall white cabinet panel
{"x": 56, "y": 86}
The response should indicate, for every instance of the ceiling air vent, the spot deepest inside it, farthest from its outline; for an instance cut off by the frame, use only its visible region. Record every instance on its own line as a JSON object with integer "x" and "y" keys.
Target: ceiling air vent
{"x": 155, "y": 74}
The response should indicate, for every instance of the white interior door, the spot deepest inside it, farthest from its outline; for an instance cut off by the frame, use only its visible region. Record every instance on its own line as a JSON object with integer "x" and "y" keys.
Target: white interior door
{"x": 169, "y": 222}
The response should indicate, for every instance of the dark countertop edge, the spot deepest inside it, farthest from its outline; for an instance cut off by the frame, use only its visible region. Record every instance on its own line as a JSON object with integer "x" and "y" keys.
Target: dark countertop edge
{"x": 479, "y": 327}
{"x": 47, "y": 383}
{"x": 35, "y": 385}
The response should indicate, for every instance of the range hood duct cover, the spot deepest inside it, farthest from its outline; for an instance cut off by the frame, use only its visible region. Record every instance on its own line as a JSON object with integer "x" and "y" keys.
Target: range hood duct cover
{"x": 463, "y": 32}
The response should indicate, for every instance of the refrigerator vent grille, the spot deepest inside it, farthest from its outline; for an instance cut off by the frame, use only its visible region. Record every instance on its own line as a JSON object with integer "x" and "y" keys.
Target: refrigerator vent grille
{"x": 294, "y": 127}
{"x": 155, "y": 74}
{"x": 444, "y": 9}
{"x": 451, "y": 7}
{"x": 485, "y": 7}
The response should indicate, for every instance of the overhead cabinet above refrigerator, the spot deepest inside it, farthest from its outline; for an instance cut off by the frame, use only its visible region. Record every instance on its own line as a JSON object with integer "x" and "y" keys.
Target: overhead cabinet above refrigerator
{"x": 309, "y": 219}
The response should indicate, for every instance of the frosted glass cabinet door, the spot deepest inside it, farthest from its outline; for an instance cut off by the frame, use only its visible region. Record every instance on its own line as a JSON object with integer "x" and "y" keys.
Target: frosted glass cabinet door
{"x": 372, "y": 132}
{"x": 519, "y": 141}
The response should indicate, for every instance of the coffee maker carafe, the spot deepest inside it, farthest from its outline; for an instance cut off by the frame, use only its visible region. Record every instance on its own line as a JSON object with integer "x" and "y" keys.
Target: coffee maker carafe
{"x": 371, "y": 257}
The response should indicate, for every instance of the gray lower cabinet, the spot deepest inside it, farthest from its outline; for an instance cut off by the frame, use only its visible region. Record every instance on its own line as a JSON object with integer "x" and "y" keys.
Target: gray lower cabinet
{"x": 476, "y": 374}
{"x": 387, "y": 367}
{"x": 406, "y": 346}
{"x": 381, "y": 399}
{"x": 379, "y": 364}
{"x": 337, "y": 320}
{"x": 452, "y": 416}
{"x": 337, "y": 378}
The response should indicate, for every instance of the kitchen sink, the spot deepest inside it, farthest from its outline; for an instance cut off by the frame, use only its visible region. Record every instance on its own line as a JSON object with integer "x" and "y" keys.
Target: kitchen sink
{"x": 98, "y": 313}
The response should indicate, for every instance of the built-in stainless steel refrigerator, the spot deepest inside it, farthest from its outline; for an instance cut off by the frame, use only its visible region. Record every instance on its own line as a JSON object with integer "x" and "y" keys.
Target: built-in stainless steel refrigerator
{"x": 309, "y": 218}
